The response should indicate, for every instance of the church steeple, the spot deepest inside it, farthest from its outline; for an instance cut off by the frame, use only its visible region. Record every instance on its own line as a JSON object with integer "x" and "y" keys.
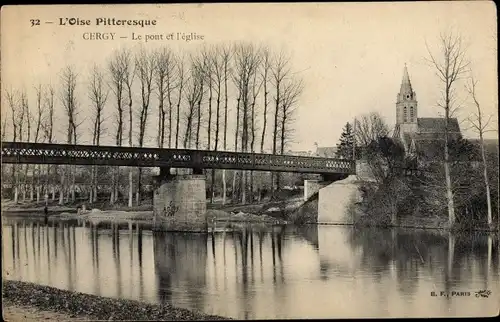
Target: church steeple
{"x": 405, "y": 83}
{"x": 406, "y": 105}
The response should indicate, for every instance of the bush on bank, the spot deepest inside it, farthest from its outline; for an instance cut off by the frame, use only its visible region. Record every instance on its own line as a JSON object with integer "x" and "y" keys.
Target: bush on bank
{"x": 395, "y": 199}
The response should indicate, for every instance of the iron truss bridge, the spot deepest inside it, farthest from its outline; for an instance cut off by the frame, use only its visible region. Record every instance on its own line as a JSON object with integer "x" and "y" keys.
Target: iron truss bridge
{"x": 44, "y": 153}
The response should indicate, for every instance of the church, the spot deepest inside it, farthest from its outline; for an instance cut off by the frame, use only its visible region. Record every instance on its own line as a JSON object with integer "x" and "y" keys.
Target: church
{"x": 421, "y": 137}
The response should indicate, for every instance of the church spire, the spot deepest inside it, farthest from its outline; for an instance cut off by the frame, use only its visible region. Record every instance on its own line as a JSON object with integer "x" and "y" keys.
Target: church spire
{"x": 405, "y": 83}
{"x": 406, "y": 105}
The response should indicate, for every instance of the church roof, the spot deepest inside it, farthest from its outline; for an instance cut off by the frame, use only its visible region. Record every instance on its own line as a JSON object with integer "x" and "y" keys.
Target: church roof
{"x": 429, "y": 129}
{"x": 436, "y": 135}
{"x": 436, "y": 125}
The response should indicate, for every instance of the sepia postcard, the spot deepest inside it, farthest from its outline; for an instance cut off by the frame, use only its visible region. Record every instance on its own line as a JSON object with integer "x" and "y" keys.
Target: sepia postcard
{"x": 250, "y": 161}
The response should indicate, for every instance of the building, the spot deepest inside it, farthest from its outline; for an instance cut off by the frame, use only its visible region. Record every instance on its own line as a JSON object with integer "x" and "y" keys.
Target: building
{"x": 420, "y": 136}
{"x": 325, "y": 151}
{"x": 299, "y": 153}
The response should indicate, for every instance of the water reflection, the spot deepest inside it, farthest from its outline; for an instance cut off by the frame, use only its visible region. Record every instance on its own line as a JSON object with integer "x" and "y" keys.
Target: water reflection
{"x": 262, "y": 272}
{"x": 180, "y": 263}
{"x": 455, "y": 258}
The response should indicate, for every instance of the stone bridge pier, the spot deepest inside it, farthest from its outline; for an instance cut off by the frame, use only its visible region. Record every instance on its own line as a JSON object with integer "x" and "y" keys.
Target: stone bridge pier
{"x": 179, "y": 202}
{"x": 313, "y": 186}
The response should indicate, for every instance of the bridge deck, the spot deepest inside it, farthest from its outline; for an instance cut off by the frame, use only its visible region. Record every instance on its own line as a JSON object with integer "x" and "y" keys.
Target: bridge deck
{"x": 44, "y": 153}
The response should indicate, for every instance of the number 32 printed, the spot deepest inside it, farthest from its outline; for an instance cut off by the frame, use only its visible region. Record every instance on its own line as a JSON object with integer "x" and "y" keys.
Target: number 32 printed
{"x": 35, "y": 22}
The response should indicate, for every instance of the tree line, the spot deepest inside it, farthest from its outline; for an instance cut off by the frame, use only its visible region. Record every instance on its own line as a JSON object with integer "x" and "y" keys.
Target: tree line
{"x": 461, "y": 181}
{"x": 240, "y": 97}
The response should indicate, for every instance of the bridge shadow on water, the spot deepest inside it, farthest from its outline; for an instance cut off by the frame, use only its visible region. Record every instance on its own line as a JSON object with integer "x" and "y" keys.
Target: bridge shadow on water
{"x": 258, "y": 271}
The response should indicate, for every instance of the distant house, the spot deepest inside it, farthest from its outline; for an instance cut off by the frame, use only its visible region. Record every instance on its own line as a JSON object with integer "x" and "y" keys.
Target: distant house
{"x": 299, "y": 153}
{"x": 325, "y": 152}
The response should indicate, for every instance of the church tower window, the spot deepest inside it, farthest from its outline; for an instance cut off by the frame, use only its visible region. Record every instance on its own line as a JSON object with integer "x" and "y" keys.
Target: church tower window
{"x": 412, "y": 115}
{"x": 405, "y": 119}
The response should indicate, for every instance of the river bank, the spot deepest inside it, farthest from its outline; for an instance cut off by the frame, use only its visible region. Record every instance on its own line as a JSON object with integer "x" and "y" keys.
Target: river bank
{"x": 15, "y": 313}
{"x": 26, "y": 207}
{"x": 255, "y": 207}
{"x": 274, "y": 212}
{"x": 37, "y": 301}
{"x": 292, "y": 210}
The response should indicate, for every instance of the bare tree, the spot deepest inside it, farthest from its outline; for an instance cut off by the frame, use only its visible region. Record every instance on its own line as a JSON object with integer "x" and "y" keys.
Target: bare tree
{"x": 226, "y": 60}
{"x": 193, "y": 92}
{"x": 481, "y": 124}
{"x": 39, "y": 111}
{"x": 171, "y": 85}
{"x": 199, "y": 65}
{"x": 48, "y": 120}
{"x": 463, "y": 175}
{"x": 236, "y": 134}
{"x": 69, "y": 101}
{"x": 216, "y": 74}
{"x": 450, "y": 66}
{"x": 266, "y": 67}
{"x": 128, "y": 68}
{"x": 38, "y": 124}
{"x": 247, "y": 60}
{"x": 291, "y": 93}
{"x": 98, "y": 94}
{"x": 20, "y": 119}
{"x": 208, "y": 57}
{"x": 28, "y": 117}
{"x": 369, "y": 127}
{"x": 160, "y": 85}
{"x": 13, "y": 102}
{"x": 144, "y": 67}
{"x": 279, "y": 71}
{"x": 180, "y": 86}
{"x": 4, "y": 128}
{"x": 164, "y": 80}
{"x": 118, "y": 67}
{"x": 27, "y": 114}
{"x": 48, "y": 130}
{"x": 4, "y": 137}
{"x": 256, "y": 86}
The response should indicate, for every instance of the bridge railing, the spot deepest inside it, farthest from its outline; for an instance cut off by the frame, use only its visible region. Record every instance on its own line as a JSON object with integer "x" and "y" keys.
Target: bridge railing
{"x": 258, "y": 161}
{"x": 24, "y": 152}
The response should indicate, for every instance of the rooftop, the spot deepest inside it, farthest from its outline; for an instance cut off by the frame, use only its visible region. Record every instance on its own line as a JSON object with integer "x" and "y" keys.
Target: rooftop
{"x": 326, "y": 152}
{"x": 436, "y": 125}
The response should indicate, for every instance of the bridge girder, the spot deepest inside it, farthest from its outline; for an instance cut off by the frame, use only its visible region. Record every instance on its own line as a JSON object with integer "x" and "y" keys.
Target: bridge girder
{"x": 43, "y": 153}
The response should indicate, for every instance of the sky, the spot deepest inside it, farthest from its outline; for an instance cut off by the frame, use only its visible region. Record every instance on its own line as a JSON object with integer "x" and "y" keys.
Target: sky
{"x": 350, "y": 56}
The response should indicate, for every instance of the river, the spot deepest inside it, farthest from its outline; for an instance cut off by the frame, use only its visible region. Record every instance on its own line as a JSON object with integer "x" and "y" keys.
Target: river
{"x": 264, "y": 272}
